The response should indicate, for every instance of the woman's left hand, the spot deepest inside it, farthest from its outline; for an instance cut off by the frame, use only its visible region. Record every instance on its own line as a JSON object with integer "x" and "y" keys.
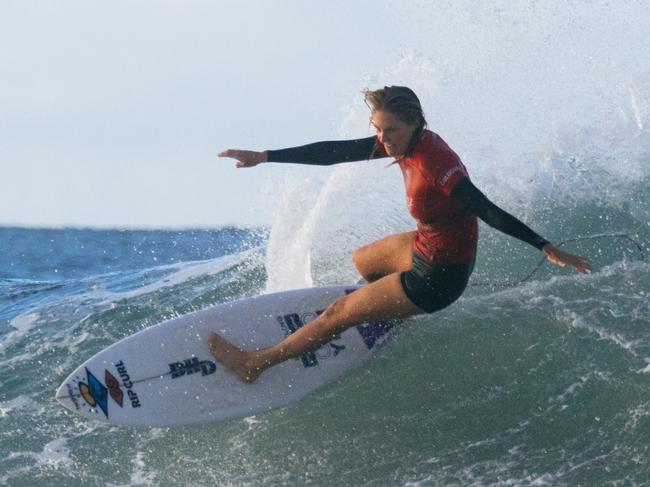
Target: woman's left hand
{"x": 564, "y": 259}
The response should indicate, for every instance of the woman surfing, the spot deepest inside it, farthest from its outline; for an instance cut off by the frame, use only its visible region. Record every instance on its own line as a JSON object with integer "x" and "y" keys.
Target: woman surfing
{"x": 410, "y": 273}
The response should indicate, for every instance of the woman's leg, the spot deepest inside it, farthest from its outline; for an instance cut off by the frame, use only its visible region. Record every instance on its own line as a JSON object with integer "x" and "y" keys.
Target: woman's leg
{"x": 385, "y": 256}
{"x": 380, "y": 300}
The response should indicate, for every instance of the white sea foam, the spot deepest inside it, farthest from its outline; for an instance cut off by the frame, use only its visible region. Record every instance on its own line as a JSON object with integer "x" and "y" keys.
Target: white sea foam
{"x": 637, "y": 415}
{"x": 578, "y": 322}
{"x": 575, "y": 387}
{"x": 140, "y": 475}
{"x": 180, "y": 273}
{"x": 646, "y": 369}
{"x": 288, "y": 263}
{"x": 55, "y": 455}
{"x": 21, "y": 403}
{"x": 22, "y": 324}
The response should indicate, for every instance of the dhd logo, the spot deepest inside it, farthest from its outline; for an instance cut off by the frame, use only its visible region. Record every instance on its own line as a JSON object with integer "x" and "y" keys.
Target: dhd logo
{"x": 192, "y": 366}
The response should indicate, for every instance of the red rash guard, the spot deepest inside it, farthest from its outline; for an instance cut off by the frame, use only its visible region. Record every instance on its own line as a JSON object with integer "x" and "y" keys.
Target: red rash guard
{"x": 447, "y": 233}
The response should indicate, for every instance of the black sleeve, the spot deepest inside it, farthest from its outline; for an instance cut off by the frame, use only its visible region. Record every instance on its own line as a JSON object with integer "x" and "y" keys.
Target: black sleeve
{"x": 328, "y": 153}
{"x": 483, "y": 208}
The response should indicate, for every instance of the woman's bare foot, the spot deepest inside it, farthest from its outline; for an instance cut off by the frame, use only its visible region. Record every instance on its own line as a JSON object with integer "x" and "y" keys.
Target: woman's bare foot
{"x": 233, "y": 358}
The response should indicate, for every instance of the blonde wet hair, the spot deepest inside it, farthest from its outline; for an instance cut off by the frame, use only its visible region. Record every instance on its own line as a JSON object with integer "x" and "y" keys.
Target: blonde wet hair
{"x": 402, "y": 102}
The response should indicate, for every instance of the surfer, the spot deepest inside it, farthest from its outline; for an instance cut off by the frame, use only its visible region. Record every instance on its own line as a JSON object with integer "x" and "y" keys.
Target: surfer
{"x": 409, "y": 273}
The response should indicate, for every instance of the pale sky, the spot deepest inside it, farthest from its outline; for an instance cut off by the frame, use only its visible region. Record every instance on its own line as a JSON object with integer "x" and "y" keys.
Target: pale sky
{"x": 111, "y": 113}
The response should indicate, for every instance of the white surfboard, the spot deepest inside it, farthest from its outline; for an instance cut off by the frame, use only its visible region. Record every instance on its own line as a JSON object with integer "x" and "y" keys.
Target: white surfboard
{"x": 165, "y": 375}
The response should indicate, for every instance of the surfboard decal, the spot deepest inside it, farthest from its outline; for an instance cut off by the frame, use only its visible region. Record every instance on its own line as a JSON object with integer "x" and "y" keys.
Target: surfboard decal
{"x": 192, "y": 366}
{"x": 128, "y": 384}
{"x": 376, "y": 332}
{"x": 94, "y": 392}
{"x": 114, "y": 388}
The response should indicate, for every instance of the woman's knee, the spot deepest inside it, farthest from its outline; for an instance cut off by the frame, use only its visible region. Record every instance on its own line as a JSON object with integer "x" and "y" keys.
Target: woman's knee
{"x": 385, "y": 256}
{"x": 335, "y": 310}
{"x": 334, "y": 317}
{"x": 359, "y": 258}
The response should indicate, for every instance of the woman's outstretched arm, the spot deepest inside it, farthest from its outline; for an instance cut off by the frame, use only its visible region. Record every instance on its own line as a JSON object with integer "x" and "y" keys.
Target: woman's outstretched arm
{"x": 483, "y": 208}
{"x": 318, "y": 154}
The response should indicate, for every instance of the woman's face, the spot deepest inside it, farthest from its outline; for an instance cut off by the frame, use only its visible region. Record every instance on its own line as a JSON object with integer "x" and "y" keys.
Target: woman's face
{"x": 392, "y": 133}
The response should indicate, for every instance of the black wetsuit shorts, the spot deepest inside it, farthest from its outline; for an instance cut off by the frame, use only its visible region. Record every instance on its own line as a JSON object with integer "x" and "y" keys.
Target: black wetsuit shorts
{"x": 431, "y": 286}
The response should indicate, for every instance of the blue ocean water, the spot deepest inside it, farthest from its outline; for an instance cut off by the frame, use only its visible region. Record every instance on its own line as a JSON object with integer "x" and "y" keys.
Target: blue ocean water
{"x": 544, "y": 382}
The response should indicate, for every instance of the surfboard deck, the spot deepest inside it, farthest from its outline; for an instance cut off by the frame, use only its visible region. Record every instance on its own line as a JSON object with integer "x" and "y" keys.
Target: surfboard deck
{"x": 165, "y": 376}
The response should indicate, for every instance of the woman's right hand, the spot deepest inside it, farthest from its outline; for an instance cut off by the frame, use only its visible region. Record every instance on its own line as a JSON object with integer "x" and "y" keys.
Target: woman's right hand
{"x": 245, "y": 158}
{"x": 564, "y": 259}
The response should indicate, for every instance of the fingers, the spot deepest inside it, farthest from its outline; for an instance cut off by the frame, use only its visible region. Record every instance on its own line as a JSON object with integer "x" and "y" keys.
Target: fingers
{"x": 563, "y": 259}
{"x": 583, "y": 265}
{"x": 245, "y": 158}
{"x": 232, "y": 153}
{"x": 579, "y": 263}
